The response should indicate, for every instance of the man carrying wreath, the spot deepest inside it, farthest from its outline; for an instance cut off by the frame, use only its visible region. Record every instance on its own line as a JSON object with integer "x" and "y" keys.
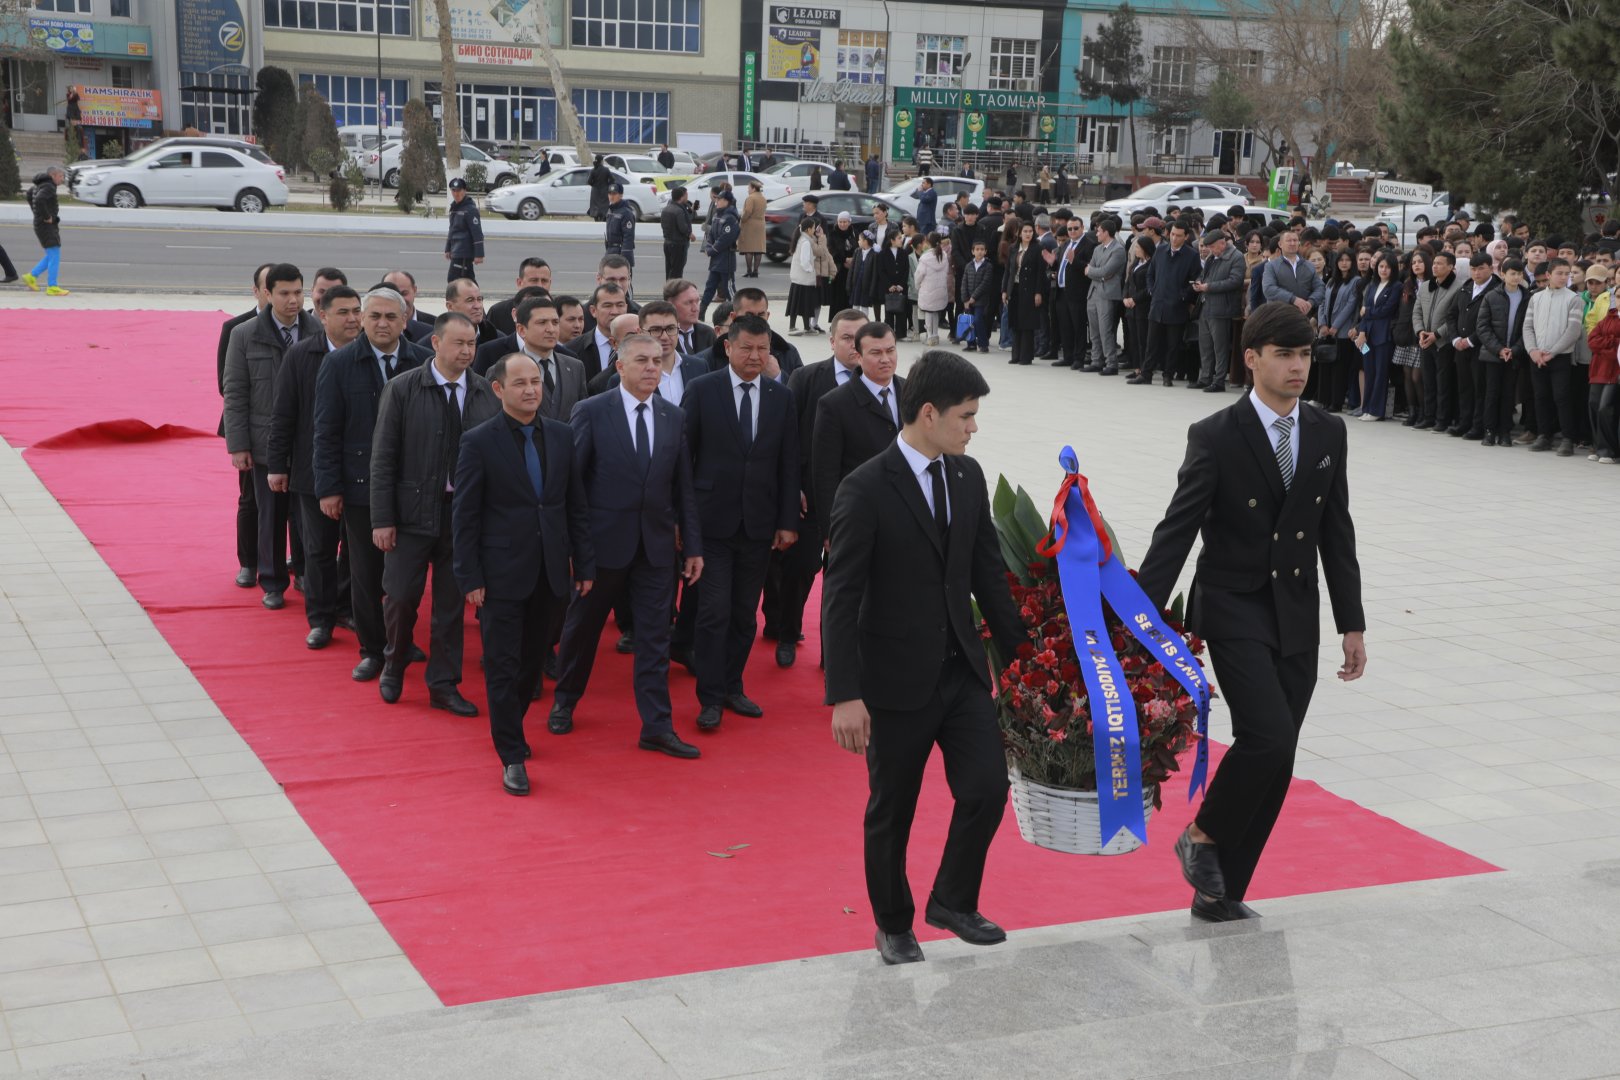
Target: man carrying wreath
{"x": 1264, "y": 480}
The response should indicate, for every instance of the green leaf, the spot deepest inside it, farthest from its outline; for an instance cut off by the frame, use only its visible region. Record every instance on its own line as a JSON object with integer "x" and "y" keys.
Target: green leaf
{"x": 1001, "y": 504}
{"x": 1029, "y": 518}
{"x": 1178, "y": 608}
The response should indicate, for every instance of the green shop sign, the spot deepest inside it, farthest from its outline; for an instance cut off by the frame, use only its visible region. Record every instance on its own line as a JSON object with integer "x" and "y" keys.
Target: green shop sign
{"x": 750, "y": 71}
{"x": 976, "y": 104}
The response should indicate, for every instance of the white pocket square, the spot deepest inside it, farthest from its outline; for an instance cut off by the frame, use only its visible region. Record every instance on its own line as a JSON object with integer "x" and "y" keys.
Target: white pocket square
{"x": 1325, "y": 462}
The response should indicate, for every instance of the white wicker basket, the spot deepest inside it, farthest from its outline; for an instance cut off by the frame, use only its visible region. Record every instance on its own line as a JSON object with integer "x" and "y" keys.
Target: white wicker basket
{"x": 1065, "y": 820}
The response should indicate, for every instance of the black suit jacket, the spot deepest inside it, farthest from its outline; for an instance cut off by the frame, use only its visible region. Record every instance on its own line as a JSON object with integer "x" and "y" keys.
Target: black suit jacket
{"x": 292, "y": 421}
{"x": 347, "y": 388}
{"x": 757, "y": 490}
{"x": 896, "y": 597}
{"x": 702, "y": 338}
{"x": 809, "y": 384}
{"x": 506, "y": 539}
{"x": 1256, "y": 576}
{"x": 584, "y": 347}
{"x": 628, "y": 509}
{"x": 419, "y": 328}
{"x": 851, "y": 429}
{"x": 1076, "y": 285}
{"x": 414, "y": 447}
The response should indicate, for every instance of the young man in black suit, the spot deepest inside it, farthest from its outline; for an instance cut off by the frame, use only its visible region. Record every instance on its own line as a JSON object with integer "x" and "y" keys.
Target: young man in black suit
{"x": 857, "y": 421}
{"x": 247, "y": 508}
{"x": 912, "y": 547}
{"x": 744, "y": 439}
{"x": 1264, "y": 481}
{"x": 630, "y": 449}
{"x": 521, "y": 534}
{"x": 595, "y": 345}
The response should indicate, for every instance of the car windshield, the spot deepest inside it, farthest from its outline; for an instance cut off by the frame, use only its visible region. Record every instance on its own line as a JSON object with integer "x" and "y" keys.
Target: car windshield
{"x": 642, "y": 165}
{"x": 909, "y": 187}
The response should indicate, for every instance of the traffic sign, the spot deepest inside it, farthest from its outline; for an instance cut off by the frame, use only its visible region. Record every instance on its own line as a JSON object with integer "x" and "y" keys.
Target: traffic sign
{"x": 1399, "y": 191}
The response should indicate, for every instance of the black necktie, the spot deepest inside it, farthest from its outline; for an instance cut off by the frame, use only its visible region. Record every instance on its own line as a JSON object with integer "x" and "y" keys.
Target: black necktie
{"x": 450, "y": 403}
{"x": 643, "y": 442}
{"x": 545, "y": 377}
{"x": 745, "y": 417}
{"x": 883, "y": 399}
{"x": 388, "y": 362}
{"x": 942, "y": 520}
{"x": 686, "y": 341}
{"x": 286, "y": 337}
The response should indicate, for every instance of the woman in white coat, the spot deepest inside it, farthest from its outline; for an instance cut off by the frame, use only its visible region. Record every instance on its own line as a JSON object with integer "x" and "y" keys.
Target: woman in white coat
{"x": 933, "y": 284}
{"x": 804, "y": 276}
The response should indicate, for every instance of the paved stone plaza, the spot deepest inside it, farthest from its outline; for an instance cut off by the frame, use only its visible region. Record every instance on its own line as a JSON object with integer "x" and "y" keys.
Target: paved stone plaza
{"x": 164, "y": 913}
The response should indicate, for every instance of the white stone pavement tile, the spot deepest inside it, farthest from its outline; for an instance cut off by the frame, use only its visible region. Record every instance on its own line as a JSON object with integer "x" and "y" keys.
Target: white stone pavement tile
{"x": 95, "y": 1048}
{"x": 65, "y": 1021}
{"x": 269, "y": 955}
{"x": 129, "y": 905}
{"x": 182, "y": 1037}
{"x": 227, "y": 925}
{"x": 284, "y": 990}
{"x": 154, "y": 971}
{"x": 223, "y": 893}
{"x": 115, "y": 877}
{"x": 55, "y": 949}
{"x": 39, "y": 917}
{"x": 39, "y": 885}
{"x": 53, "y": 985}
{"x": 146, "y": 936}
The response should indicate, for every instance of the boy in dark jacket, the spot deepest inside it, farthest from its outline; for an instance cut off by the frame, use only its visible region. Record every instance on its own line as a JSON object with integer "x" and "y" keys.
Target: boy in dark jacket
{"x": 978, "y": 284}
{"x": 48, "y": 228}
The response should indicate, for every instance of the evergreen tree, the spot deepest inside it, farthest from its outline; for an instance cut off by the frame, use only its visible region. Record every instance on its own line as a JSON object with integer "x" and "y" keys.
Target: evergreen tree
{"x": 319, "y": 146}
{"x": 1112, "y": 67}
{"x": 421, "y": 169}
{"x": 275, "y": 114}
{"x": 10, "y": 174}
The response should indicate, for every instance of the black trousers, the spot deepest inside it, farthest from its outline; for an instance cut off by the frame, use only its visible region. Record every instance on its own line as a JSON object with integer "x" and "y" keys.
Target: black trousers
{"x": 1465, "y": 364}
{"x": 1163, "y": 348}
{"x": 295, "y": 539}
{"x": 405, "y": 575}
{"x": 960, "y": 718}
{"x": 321, "y": 580}
{"x": 1267, "y": 694}
{"x": 1023, "y": 344}
{"x": 1445, "y": 384}
{"x": 1555, "y": 399}
{"x": 799, "y": 566}
{"x": 365, "y": 580}
{"x": 271, "y": 532}
{"x": 1071, "y": 319}
{"x": 10, "y": 272}
{"x": 1496, "y": 410}
{"x": 1429, "y": 369}
{"x": 516, "y": 631}
{"x": 733, "y": 578}
{"x": 675, "y": 260}
{"x": 651, "y": 590}
{"x": 247, "y": 521}
{"x": 461, "y": 268}
{"x": 1601, "y": 402}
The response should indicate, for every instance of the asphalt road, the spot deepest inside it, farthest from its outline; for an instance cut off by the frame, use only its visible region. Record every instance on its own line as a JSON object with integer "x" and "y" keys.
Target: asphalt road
{"x": 208, "y": 260}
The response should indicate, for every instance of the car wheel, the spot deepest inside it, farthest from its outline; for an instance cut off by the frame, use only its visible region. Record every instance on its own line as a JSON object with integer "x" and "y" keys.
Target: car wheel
{"x": 531, "y": 210}
{"x": 434, "y": 185}
{"x": 251, "y": 201}
{"x": 124, "y": 197}
{"x": 505, "y": 180}
{"x": 391, "y": 178}
{"x": 776, "y": 256}
{"x": 1421, "y": 219}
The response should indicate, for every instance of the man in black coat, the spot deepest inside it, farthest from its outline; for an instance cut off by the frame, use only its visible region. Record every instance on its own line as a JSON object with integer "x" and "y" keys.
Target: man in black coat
{"x": 420, "y": 418}
{"x": 247, "y": 511}
{"x": 1264, "y": 481}
{"x": 1073, "y": 289}
{"x": 912, "y": 548}
{"x": 695, "y": 336}
{"x": 857, "y": 421}
{"x": 1170, "y": 276}
{"x": 675, "y": 221}
{"x": 630, "y": 450}
{"x": 534, "y": 273}
{"x": 743, "y": 436}
{"x": 521, "y": 535}
{"x": 802, "y": 562}
{"x": 1466, "y": 314}
{"x": 594, "y": 347}
{"x": 347, "y": 386}
{"x": 252, "y": 360}
{"x": 292, "y": 462}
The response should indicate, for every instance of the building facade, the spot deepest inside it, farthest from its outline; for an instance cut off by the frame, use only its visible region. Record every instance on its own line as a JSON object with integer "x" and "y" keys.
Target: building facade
{"x": 104, "y": 48}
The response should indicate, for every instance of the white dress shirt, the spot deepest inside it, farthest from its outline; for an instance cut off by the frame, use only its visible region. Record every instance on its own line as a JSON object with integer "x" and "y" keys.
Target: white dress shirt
{"x": 842, "y": 374}
{"x": 604, "y": 345}
{"x": 919, "y": 468}
{"x": 893, "y": 405}
{"x": 737, "y": 383}
{"x": 671, "y": 385}
{"x": 546, "y": 364}
{"x": 630, "y": 402}
{"x": 1268, "y": 420}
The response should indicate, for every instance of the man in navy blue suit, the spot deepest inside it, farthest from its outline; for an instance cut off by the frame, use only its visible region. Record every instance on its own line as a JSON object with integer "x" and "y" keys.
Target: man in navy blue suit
{"x": 520, "y": 535}
{"x": 630, "y": 451}
{"x": 744, "y": 437}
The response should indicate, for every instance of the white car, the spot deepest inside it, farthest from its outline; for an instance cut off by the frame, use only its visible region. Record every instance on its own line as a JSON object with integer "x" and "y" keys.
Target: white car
{"x": 700, "y": 189}
{"x": 636, "y": 165}
{"x": 798, "y": 173}
{"x": 497, "y": 172}
{"x": 187, "y": 176}
{"x": 905, "y": 195}
{"x": 1434, "y": 212}
{"x": 359, "y": 141}
{"x": 568, "y": 191}
{"x": 685, "y": 160}
{"x": 1211, "y": 198}
{"x": 558, "y": 157}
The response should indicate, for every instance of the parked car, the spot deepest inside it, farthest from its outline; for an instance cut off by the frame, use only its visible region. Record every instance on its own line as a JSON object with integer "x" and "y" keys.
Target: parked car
{"x": 187, "y": 176}
{"x": 701, "y": 188}
{"x": 798, "y": 173}
{"x": 558, "y": 157}
{"x": 1439, "y": 209}
{"x": 905, "y": 196}
{"x": 567, "y": 191}
{"x": 252, "y": 150}
{"x": 782, "y": 216}
{"x": 1210, "y": 198}
{"x": 497, "y": 172}
{"x": 359, "y": 140}
{"x": 685, "y": 160}
{"x": 645, "y": 168}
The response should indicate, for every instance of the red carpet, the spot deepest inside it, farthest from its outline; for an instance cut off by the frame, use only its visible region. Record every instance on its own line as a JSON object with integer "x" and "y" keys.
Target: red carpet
{"x": 622, "y": 865}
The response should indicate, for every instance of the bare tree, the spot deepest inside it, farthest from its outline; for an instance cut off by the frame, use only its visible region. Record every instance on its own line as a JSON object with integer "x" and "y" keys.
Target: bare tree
{"x": 449, "y": 102}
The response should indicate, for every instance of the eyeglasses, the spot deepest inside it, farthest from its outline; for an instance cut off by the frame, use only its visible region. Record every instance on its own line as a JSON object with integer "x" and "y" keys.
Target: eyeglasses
{"x": 1076, "y": 229}
{"x": 661, "y": 329}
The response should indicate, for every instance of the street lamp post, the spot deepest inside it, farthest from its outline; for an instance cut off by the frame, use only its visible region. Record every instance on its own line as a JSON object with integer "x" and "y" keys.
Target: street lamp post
{"x": 376, "y": 24}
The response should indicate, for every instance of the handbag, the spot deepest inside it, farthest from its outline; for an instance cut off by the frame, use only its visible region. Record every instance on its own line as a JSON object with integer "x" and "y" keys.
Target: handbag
{"x": 1325, "y": 351}
{"x": 964, "y": 324}
{"x": 896, "y": 303}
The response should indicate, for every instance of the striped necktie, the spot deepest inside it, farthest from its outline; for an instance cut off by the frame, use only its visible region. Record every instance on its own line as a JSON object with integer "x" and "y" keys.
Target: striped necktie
{"x": 1285, "y": 449}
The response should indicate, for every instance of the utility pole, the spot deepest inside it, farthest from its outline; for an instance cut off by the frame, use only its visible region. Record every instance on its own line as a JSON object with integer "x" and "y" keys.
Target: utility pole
{"x": 566, "y": 114}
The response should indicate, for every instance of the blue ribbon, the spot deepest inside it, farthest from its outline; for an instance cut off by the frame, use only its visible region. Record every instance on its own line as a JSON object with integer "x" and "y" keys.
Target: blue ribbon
{"x": 1087, "y": 580}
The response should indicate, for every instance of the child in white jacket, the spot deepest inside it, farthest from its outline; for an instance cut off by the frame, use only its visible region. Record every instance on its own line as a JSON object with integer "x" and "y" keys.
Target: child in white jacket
{"x": 1552, "y": 326}
{"x": 933, "y": 282}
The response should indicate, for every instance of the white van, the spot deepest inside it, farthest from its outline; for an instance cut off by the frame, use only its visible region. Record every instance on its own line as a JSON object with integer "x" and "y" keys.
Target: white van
{"x": 359, "y": 140}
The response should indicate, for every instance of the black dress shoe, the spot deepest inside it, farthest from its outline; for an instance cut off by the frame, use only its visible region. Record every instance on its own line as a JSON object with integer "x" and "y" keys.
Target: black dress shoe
{"x": 391, "y": 685}
{"x": 319, "y": 637}
{"x": 1090, "y": 369}
{"x": 1109, "y": 371}
{"x": 899, "y": 948}
{"x": 1215, "y": 388}
{"x": 709, "y": 718}
{"x": 1201, "y": 865}
{"x": 625, "y": 645}
{"x": 417, "y": 655}
{"x": 451, "y": 701}
{"x": 274, "y": 600}
{"x": 786, "y": 653}
{"x": 1139, "y": 380}
{"x": 1198, "y": 385}
{"x": 515, "y": 779}
{"x": 1474, "y": 435}
{"x": 1046, "y": 356}
{"x": 1221, "y": 910}
{"x": 669, "y": 743}
{"x": 561, "y": 720}
{"x": 743, "y": 705}
{"x": 1065, "y": 363}
{"x": 683, "y": 657}
{"x": 246, "y": 578}
{"x": 345, "y": 620}
{"x": 1168, "y": 381}
{"x": 367, "y": 669}
{"x": 970, "y": 926}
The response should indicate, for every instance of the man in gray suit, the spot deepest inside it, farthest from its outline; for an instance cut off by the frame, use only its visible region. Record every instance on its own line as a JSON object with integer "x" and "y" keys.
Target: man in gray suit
{"x": 1221, "y": 286}
{"x": 1290, "y": 279}
{"x": 1107, "y": 273}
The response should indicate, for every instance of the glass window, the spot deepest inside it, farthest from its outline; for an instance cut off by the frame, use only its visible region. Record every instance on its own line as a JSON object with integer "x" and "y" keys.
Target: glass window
{"x": 623, "y": 117}
{"x": 340, "y": 16}
{"x": 1013, "y": 64}
{"x": 215, "y": 159}
{"x": 181, "y": 160}
{"x": 68, "y": 7}
{"x": 354, "y": 99}
{"x": 940, "y": 60}
{"x": 123, "y": 76}
{"x": 863, "y": 56}
{"x": 208, "y": 106}
{"x": 1170, "y": 71}
{"x": 118, "y": 9}
{"x": 643, "y": 25}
